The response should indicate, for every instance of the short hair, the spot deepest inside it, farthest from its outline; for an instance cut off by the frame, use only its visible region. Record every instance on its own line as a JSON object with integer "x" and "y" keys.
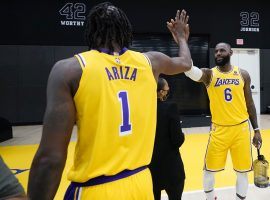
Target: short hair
{"x": 107, "y": 25}
{"x": 227, "y": 44}
{"x": 161, "y": 84}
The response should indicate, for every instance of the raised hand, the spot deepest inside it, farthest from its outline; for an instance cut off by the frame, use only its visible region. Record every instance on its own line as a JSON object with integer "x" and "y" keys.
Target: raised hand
{"x": 187, "y": 32}
{"x": 179, "y": 26}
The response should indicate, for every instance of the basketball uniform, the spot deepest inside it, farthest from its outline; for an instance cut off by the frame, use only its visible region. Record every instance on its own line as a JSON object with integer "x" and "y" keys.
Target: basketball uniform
{"x": 230, "y": 126}
{"x": 116, "y": 119}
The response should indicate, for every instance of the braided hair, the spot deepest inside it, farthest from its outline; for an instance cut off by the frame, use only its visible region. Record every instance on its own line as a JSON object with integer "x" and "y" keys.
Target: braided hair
{"x": 107, "y": 25}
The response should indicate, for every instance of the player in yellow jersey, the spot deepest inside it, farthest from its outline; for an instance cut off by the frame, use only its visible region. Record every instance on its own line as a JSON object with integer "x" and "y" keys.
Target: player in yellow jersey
{"x": 99, "y": 91}
{"x": 231, "y": 106}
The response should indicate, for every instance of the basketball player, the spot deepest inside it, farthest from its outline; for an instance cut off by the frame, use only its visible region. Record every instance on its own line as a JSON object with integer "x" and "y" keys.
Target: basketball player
{"x": 231, "y": 106}
{"x": 99, "y": 91}
{"x": 10, "y": 187}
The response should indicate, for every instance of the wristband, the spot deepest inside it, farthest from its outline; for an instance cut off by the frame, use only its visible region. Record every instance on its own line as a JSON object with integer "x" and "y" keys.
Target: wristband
{"x": 256, "y": 129}
{"x": 194, "y": 73}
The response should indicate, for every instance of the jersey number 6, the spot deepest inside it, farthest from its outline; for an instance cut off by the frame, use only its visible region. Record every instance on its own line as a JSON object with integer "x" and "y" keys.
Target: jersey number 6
{"x": 228, "y": 94}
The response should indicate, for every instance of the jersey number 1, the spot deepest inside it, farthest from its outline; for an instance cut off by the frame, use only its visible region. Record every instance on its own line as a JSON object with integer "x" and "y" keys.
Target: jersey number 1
{"x": 125, "y": 127}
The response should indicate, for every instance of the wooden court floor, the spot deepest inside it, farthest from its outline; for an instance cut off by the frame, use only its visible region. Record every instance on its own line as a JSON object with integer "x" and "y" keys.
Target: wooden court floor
{"x": 19, "y": 151}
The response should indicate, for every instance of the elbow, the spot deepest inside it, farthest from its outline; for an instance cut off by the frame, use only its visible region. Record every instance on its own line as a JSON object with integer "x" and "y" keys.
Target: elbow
{"x": 45, "y": 175}
{"x": 187, "y": 65}
{"x": 52, "y": 162}
{"x": 49, "y": 161}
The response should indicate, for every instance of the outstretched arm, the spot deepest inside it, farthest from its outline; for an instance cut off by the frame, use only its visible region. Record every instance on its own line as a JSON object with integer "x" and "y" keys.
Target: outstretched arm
{"x": 196, "y": 74}
{"x": 257, "y": 139}
{"x": 50, "y": 158}
{"x": 200, "y": 75}
{"x": 162, "y": 63}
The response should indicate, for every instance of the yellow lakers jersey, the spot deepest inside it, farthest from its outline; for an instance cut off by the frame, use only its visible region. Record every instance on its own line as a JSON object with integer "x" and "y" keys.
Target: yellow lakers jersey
{"x": 226, "y": 95}
{"x": 116, "y": 114}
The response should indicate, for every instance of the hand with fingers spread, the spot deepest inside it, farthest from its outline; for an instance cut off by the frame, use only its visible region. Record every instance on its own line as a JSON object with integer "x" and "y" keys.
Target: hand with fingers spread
{"x": 187, "y": 32}
{"x": 179, "y": 26}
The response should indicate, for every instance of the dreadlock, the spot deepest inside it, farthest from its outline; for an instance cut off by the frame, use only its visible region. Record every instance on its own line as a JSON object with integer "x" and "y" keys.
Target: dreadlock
{"x": 107, "y": 24}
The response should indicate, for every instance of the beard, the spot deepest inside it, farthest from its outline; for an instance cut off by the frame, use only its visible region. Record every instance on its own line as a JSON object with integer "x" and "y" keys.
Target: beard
{"x": 222, "y": 62}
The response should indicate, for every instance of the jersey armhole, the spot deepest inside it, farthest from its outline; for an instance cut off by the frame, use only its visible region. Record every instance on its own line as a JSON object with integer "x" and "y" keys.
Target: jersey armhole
{"x": 148, "y": 60}
{"x": 81, "y": 60}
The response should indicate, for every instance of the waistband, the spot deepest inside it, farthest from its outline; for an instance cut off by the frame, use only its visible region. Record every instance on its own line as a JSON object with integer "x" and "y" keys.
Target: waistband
{"x": 232, "y": 124}
{"x": 105, "y": 179}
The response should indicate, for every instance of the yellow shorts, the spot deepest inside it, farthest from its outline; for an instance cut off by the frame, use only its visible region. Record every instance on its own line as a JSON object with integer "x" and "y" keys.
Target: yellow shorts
{"x": 237, "y": 139}
{"x": 135, "y": 187}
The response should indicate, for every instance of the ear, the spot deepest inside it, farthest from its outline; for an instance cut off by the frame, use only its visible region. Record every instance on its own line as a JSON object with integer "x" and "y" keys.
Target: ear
{"x": 231, "y": 52}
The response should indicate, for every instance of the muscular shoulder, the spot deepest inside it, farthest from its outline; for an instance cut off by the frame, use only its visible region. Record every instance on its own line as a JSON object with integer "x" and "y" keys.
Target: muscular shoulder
{"x": 154, "y": 58}
{"x": 152, "y": 55}
{"x": 68, "y": 66}
{"x": 68, "y": 72}
{"x": 245, "y": 75}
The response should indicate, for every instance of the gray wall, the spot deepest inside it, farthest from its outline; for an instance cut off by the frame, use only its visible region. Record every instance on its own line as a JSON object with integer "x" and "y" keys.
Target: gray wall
{"x": 265, "y": 79}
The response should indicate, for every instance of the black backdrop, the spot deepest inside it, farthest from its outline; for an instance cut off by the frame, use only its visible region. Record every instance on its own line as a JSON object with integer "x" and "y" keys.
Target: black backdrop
{"x": 182, "y": 89}
{"x": 35, "y": 34}
{"x": 39, "y": 22}
{"x": 24, "y": 71}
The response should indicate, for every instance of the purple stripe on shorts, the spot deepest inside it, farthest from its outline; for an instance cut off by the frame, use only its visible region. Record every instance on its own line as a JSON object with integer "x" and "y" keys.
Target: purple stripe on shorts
{"x": 105, "y": 179}
{"x": 70, "y": 192}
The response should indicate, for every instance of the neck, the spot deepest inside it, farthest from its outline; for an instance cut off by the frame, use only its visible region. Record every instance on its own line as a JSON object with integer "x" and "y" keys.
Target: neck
{"x": 226, "y": 68}
{"x": 116, "y": 47}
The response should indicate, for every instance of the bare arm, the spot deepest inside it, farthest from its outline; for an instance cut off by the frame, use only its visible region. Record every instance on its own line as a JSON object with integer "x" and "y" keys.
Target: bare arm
{"x": 201, "y": 75}
{"x": 49, "y": 161}
{"x": 257, "y": 140}
{"x": 162, "y": 63}
{"x": 206, "y": 76}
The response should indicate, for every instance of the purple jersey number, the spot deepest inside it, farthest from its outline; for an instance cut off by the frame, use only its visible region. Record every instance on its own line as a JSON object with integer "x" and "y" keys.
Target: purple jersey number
{"x": 228, "y": 94}
{"x": 125, "y": 128}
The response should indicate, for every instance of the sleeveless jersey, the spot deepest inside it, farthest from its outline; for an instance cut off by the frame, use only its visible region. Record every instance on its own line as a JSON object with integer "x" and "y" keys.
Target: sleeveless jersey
{"x": 226, "y": 95}
{"x": 116, "y": 114}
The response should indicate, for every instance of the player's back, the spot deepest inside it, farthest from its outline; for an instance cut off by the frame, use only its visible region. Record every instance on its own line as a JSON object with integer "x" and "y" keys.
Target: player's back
{"x": 116, "y": 114}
